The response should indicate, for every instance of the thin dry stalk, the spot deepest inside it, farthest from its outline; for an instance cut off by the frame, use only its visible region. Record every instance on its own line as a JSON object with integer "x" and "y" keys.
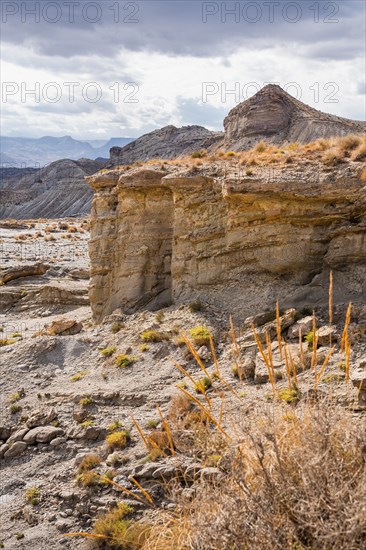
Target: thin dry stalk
{"x": 330, "y": 304}
{"x": 214, "y": 357}
{"x": 346, "y": 325}
{"x": 140, "y": 430}
{"x": 348, "y": 356}
{"x": 293, "y": 367}
{"x": 265, "y": 359}
{"x": 148, "y": 502}
{"x": 322, "y": 368}
{"x": 288, "y": 371}
{"x": 236, "y": 364}
{"x": 278, "y": 327}
{"x": 302, "y": 356}
{"x": 143, "y": 491}
{"x": 315, "y": 346}
{"x": 345, "y": 344}
{"x": 186, "y": 373}
{"x": 194, "y": 353}
{"x": 269, "y": 351}
{"x": 233, "y": 337}
{"x": 207, "y": 413}
{"x": 227, "y": 384}
{"x": 167, "y": 430}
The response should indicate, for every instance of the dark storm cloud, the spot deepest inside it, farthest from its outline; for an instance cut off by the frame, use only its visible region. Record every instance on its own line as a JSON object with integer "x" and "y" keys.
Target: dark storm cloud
{"x": 189, "y": 27}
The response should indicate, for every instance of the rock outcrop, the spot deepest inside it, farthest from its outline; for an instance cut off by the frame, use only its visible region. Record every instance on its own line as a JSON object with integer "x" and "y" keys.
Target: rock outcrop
{"x": 271, "y": 114}
{"x": 227, "y": 235}
{"x": 166, "y": 143}
{"x": 277, "y": 117}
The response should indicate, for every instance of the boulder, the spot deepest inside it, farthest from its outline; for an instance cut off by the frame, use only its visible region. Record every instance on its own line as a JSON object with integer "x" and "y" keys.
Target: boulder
{"x": 11, "y": 273}
{"x": 91, "y": 433}
{"x": 80, "y": 273}
{"x": 41, "y": 418}
{"x": 64, "y": 327}
{"x": 43, "y": 434}
{"x": 16, "y": 449}
{"x": 18, "y": 435}
{"x": 3, "y": 449}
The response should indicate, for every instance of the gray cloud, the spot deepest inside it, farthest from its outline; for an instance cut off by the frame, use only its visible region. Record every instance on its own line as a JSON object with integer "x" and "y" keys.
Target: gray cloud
{"x": 184, "y": 27}
{"x": 171, "y": 34}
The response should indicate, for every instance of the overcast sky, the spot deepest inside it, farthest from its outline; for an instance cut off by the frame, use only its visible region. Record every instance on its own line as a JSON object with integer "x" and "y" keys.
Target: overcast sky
{"x": 122, "y": 68}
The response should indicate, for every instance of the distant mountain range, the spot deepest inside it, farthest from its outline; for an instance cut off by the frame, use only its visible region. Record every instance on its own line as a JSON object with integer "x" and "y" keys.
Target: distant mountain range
{"x": 33, "y": 152}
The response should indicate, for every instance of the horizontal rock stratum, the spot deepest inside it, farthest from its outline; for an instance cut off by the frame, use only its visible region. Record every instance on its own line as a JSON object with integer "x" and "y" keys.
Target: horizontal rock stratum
{"x": 223, "y": 232}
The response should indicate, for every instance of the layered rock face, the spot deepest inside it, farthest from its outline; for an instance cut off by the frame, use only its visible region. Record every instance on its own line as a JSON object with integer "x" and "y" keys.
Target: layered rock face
{"x": 58, "y": 190}
{"x": 276, "y": 116}
{"x": 236, "y": 240}
{"x": 167, "y": 143}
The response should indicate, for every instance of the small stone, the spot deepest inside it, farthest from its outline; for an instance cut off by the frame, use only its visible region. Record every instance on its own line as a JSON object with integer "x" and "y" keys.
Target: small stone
{"x": 203, "y": 352}
{"x": 247, "y": 369}
{"x": 166, "y": 472}
{"x": 145, "y": 471}
{"x": 80, "y": 415}
{"x": 58, "y": 441}
{"x": 324, "y": 334}
{"x": 113, "y": 459}
{"x": 29, "y": 515}
{"x": 304, "y": 325}
{"x": 68, "y": 495}
{"x": 63, "y": 525}
{"x": 358, "y": 375}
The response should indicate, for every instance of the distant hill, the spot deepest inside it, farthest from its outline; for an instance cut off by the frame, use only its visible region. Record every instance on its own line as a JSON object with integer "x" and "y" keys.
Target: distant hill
{"x": 275, "y": 116}
{"x": 271, "y": 114}
{"x": 56, "y": 191}
{"x": 166, "y": 143}
{"x": 40, "y": 152}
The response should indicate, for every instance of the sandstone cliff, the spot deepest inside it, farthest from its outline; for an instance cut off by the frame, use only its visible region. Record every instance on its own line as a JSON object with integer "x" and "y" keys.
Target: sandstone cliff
{"x": 227, "y": 234}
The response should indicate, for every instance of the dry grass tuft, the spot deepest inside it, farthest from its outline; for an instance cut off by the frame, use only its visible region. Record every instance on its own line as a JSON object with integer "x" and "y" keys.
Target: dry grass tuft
{"x": 89, "y": 462}
{"x": 298, "y": 484}
{"x": 117, "y": 440}
{"x": 153, "y": 336}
